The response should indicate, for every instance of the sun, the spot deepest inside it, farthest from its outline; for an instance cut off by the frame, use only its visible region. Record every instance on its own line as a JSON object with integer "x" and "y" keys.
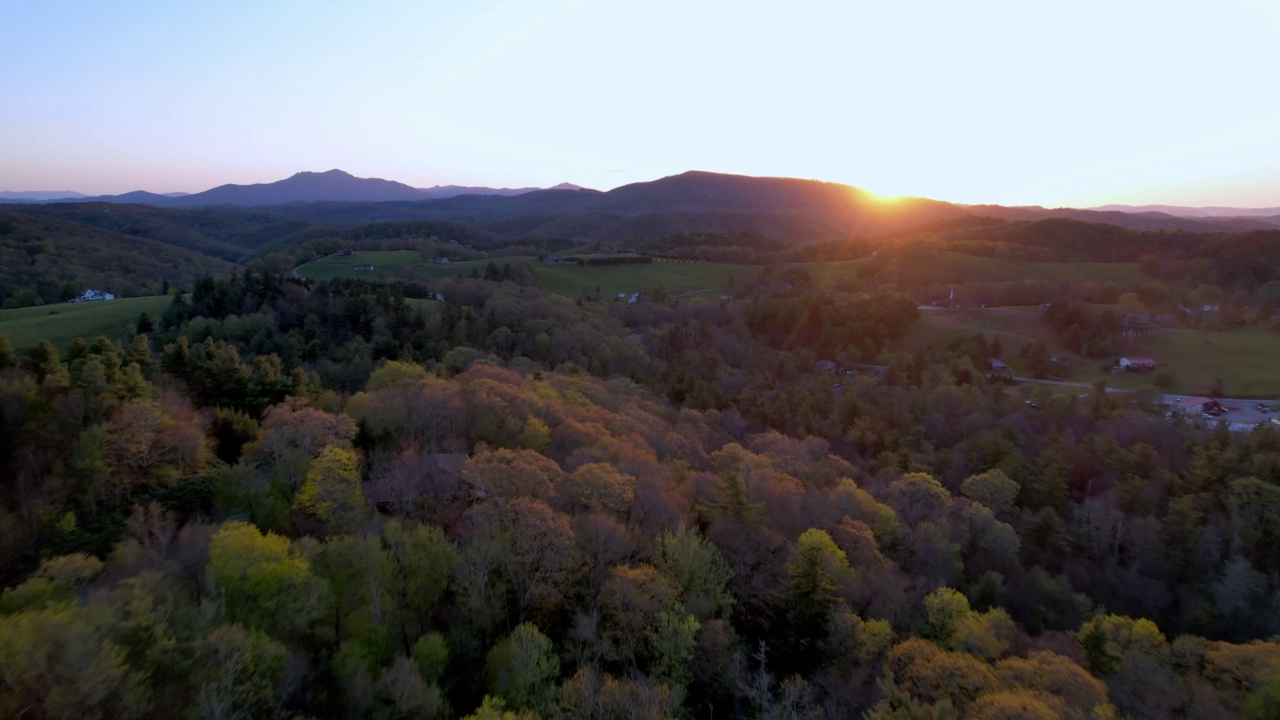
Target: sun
{"x": 880, "y": 199}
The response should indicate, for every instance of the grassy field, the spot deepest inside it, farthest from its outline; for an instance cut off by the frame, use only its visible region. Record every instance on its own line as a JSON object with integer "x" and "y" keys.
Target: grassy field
{"x": 949, "y": 267}
{"x": 1245, "y": 359}
{"x": 700, "y": 278}
{"x": 64, "y": 322}
{"x": 393, "y": 265}
{"x": 1014, "y": 326}
{"x": 694, "y": 278}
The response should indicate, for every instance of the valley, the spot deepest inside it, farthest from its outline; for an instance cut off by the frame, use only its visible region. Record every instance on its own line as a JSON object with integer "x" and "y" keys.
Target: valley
{"x": 336, "y": 414}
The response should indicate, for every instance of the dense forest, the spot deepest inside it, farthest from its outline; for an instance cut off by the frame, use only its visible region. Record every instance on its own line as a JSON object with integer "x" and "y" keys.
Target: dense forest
{"x": 286, "y": 499}
{"x": 50, "y": 260}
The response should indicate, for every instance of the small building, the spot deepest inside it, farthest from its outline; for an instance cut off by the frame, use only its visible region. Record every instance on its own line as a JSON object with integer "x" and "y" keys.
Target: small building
{"x": 347, "y": 253}
{"x": 442, "y": 260}
{"x": 366, "y": 266}
{"x": 828, "y": 366}
{"x": 555, "y": 259}
{"x": 1137, "y": 364}
{"x": 1137, "y": 324}
{"x": 93, "y": 295}
{"x": 635, "y": 298}
{"x": 997, "y": 365}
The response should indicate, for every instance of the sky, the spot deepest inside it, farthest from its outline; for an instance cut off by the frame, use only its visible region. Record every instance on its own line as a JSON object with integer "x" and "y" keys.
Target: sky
{"x": 984, "y": 101}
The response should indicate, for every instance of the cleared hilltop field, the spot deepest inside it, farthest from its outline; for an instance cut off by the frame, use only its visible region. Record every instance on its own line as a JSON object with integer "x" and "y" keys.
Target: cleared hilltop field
{"x": 391, "y": 265}
{"x": 677, "y": 278}
{"x": 1243, "y": 358}
{"x": 64, "y": 322}
{"x": 950, "y": 267}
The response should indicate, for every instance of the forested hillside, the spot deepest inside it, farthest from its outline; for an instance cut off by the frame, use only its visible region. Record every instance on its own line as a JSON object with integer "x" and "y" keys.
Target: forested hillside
{"x": 345, "y": 499}
{"x": 48, "y": 260}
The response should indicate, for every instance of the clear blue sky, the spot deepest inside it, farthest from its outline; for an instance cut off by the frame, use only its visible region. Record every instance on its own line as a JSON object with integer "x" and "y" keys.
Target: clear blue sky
{"x": 1017, "y": 102}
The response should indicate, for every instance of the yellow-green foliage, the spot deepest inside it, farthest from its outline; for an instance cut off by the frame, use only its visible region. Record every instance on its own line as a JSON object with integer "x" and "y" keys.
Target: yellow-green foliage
{"x": 266, "y": 583}
{"x": 332, "y": 492}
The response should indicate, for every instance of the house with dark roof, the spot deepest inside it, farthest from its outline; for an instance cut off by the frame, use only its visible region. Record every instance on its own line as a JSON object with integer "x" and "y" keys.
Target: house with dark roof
{"x": 1137, "y": 324}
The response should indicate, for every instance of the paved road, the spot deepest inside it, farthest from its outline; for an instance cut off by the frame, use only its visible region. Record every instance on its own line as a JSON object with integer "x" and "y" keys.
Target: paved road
{"x": 1239, "y": 410}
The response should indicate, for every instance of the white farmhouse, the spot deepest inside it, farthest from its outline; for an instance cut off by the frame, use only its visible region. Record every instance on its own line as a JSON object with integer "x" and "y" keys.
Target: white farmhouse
{"x": 91, "y": 295}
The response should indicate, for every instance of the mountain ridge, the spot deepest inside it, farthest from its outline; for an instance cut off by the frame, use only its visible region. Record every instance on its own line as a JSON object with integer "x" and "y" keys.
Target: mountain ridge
{"x": 301, "y": 187}
{"x": 791, "y": 209}
{"x": 1191, "y": 211}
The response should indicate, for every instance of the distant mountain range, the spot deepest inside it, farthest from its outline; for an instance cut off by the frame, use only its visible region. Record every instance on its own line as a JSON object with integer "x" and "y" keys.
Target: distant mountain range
{"x": 702, "y": 202}
{"x": 788, "y": 209}
{"x": 1195, "y": 212}
{"x": 303, "y": 187}
{"x": 38, "y": 195}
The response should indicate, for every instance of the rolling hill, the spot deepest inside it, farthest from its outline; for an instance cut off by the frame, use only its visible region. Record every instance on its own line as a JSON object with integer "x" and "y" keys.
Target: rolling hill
{"x": 226, "y": 233}
{"x": 48, "y": 259}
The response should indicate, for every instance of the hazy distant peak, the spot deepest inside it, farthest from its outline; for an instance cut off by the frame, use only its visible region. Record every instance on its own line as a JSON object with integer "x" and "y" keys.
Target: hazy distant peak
{"x": 39, "y": 195}
{"x": 334, "y": 173}
{"x": 1193, "y": 212}
{"x": 566, "y": 186}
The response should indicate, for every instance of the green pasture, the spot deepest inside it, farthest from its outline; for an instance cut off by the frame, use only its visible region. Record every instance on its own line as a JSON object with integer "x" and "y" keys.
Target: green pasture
{"x": 64, "y": 322}
{"x": 697, "y": 279}
{"x": 948, "y": 267}
{"x": 394, "y": 265}
{"x": 1014, "y": 326}
{"x": 677, "y": 278}
{"x": 1246, "y": 359}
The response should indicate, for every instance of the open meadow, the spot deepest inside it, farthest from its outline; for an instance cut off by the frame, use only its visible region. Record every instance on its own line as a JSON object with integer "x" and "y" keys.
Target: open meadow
{"x": 1014, "y": 326}
{"x": 1245, "y": 358}
{"x": 677, "y": 278}
{"x": 64, "y": 322}
{"x": 393, "y": 265}
{"x": 951, "y": 267}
